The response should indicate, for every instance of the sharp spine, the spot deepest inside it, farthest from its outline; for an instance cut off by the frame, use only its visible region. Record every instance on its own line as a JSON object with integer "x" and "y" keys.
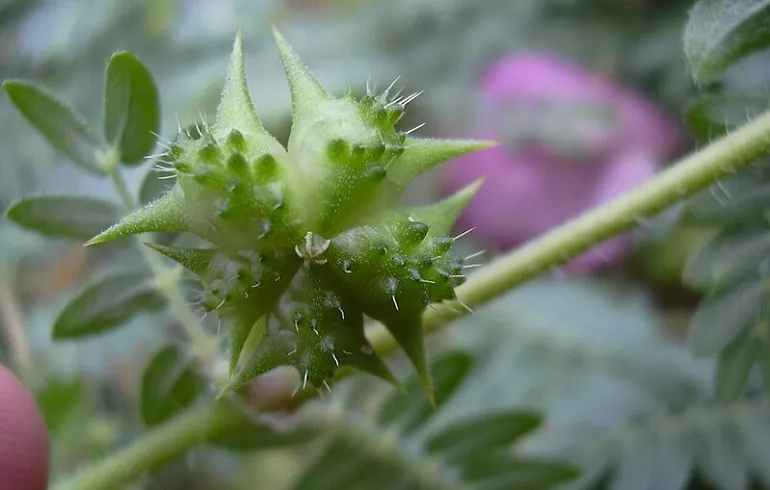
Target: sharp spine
{"x": 419, "y": 126}
{"x": 473, "y": 256}
{"x": 469, "y": 230}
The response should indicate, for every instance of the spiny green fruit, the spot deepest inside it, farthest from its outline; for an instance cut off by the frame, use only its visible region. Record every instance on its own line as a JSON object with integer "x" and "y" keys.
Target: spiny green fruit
{"x": 308, "y": 240}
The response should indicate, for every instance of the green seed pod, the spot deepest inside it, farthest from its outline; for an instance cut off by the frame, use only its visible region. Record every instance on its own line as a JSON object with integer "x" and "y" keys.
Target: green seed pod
{"x": 306, "y": 241}
{"x": 314, "y": 328}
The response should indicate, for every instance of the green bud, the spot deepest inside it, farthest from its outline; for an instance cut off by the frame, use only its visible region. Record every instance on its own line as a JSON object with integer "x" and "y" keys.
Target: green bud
{"x": 236, "y": 142}
{"x": 306, "y": 241}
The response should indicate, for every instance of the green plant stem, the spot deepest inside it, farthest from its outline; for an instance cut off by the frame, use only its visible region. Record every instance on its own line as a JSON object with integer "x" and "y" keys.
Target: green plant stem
{"x": 692, "y": 174}
{"x": 15, "y": 336}
{"x": 166, "y": 277}
{"x": 163, "y": 445}
{"x": 686, "y": 177}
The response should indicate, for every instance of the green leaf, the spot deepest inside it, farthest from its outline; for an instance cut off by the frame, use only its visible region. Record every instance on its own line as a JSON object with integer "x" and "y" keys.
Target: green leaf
{"x": 408, "y": 332}
{"x": 498, "y": 470}
{"x": 649, "y": 460}
{"x": 245, "y": 337}
{"x": 488, "y": 430}
{"x": 720, "y": 32}
{"x": 762, "y": 333}
{"x": 754, "y": 427}
{"x": 57, "y": 399}
{"x": 384, "y": 454}
{"x": 675, "y": 457}
{"x": 740, "y": 199}
{"x": 107, "y": 304}
{"x": 131, "y": 107}
{"x": 56, "y": 216}
{"x": 720, "y": 454}
{"x": 413, "y": 409}
{"x": 734, "y": 366}
{"x": 723, "y": 315}
{"x": 541, "y": 360}
{"x": 339, "y": 465}
{"x": 712, "y": 115}
{"x": 170, "y": 384}
{"x": 731, "y": 255}
{"x": 660, "y": 449}
{"x": 58, "y": 123}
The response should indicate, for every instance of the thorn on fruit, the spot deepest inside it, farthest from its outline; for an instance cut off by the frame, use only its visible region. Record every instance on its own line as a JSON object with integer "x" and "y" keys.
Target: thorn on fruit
{"x": 420, "y": 126}
{"x": 390, "y": 87}
{"x": 469, "y": 230}
{"x": 474, "y": 255}
{"x": 465, "y": 306}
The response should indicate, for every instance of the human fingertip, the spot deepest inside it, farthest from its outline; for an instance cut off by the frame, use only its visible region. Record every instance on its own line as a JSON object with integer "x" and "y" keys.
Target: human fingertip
{"x": 24, "y": 442}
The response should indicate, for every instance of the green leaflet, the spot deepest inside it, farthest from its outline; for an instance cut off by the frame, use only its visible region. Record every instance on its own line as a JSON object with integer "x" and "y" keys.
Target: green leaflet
{"x": 409, "y": 445}
{"x": 720, "y": 32}
{"x": 58, "y": 123}
{"x": 131, "y": 108}
{"x": 170, "y": 384}
{"x": 58, "y": 216}
{"x": 107, "y": 303}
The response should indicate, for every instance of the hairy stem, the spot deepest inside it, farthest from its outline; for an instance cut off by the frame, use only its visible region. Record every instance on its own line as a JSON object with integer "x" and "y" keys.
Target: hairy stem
{"x": 14, "y": 332}
{"x": 166, "y": 277}
{"x": 692, "y": 174}
{"x": 163, "y": 445}
{"x": 688, "y": 176}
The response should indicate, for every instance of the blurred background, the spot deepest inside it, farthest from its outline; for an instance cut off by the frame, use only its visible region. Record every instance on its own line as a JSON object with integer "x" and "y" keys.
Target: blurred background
{"x": 586, "y": 97}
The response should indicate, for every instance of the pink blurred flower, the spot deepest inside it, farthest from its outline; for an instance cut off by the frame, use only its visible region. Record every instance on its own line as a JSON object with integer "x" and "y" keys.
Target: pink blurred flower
{"x": 571, "y": 140}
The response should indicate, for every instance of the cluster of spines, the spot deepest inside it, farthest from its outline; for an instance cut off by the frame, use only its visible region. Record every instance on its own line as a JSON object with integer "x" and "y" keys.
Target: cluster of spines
{"x": 397, "y": 260}
{"x": 298, "y": 260}
{"x": 383, "y": 110}
{"x": 236, "y": 281}
{"x": 389, "y": 272}
{"x": 317, "y": 329}
{"x": 240, "y": 186}
{"x": 394, "y": 271}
